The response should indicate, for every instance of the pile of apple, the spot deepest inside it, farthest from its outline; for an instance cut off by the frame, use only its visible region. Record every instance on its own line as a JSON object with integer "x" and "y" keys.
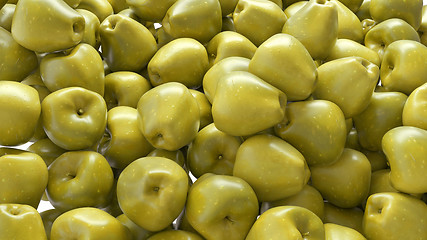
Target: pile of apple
{"x": 299, "y": 119}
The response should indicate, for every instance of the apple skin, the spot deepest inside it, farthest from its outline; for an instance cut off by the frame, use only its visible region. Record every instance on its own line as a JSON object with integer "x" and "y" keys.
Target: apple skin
{"x": 273, "y": 167}
{"x": 168, "y": 116}
{"x": 24, "y": 177}
{"x": 122, "y": 142}
{"x": 395, "y": 216}
{"x": 221, "y": 207}
{"x": 19, "y": 221}
{"x": 74, "y": 118}
{"x": 287, "y": 222}
{"x": 19, "y": 113}
{"x": 88, "y": 223}
{"x": 79, "y": 179}
{"x": 152, "y": 192}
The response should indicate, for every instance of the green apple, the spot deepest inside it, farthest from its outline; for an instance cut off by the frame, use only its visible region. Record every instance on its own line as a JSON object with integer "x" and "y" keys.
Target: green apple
{"x": 150, "y": 10}
{"x": 217, "y": 71}
{"x": 50, "y": 26}
{"x": 287, "y": 222}
{"x": 168, "y": 116}
{"x": 221, "y": 207}
{"x": 16, "y": 61}
{"x": 316, "y": 128}
{"x": 91, "y": 32}
{"x": 347, "y": 217}
{"x": 352, "y": 77}
{"x": 285, "y": 63}
{"x": 123, "y": 142}
{"x": 395, "y": 216}
{"x": 344, "y": 183}
{"x": 409, "y": 10}
{"x": 191, "y": 19}
{"x": 124, "y": 88}
{"x": 176, "y": 156}
{"x": 19, "y": 221}
{"x": 403, "y": 66}
{"x": 228, "y": 44}
{"x": 6, "y": 15}
{"x": 24, "y": 177}
{"x": 48, "y": 217}
{"x": 205, "y": 108}
{"x": 273, "y": 167}
{"x": 413, "y": 111}
{"x": 244, "y": 104}
{"x": 137, "y": 232}
{"x": 74, "y": 118}
{"x": 170, "y": 63}
{"x": 383, "y": 113}
{"x": 88, "y": 223}
{"x": 46, "y": 149}
{"x": 348, "y": 48}
{"x": 152, "y": 192}
{"x": 349, "y": 26}
{"x": 19, "y": 112}
{"x": 384, "y": 33}
{"x": 79, "y": 179}
{"x": 316, "y": 26}
{"x": 81, "y": 67}
{"x": 252, "y": 16}
{"x": 124, "y": 53}
{"x": 406, "y": 154}
{"x": 176, "y": 235}
{"x": 101, "y": 8}
{"x": 335, "y": 232}
{"x": 308, "y": 198}
{"x": 212, "y": 151}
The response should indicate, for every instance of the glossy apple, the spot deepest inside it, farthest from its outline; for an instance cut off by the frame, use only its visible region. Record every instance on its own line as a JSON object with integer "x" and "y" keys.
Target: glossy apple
{"x": 79, "y": 179}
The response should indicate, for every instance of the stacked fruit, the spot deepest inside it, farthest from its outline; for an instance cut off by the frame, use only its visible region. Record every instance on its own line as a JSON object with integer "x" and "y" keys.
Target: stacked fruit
{"x": 213, "y": 119}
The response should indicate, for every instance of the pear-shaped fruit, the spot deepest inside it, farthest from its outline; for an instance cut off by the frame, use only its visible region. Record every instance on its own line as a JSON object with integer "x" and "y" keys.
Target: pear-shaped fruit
{"x": 352, "y": 77}
{"x": 316, "y": 26}
{"x": 316, "y": 128}
{"x": 51, "y": 25}
{"x": 406, "y": 154}
{"x": 286, "y": 64}
{"x": 244, "y": 104}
